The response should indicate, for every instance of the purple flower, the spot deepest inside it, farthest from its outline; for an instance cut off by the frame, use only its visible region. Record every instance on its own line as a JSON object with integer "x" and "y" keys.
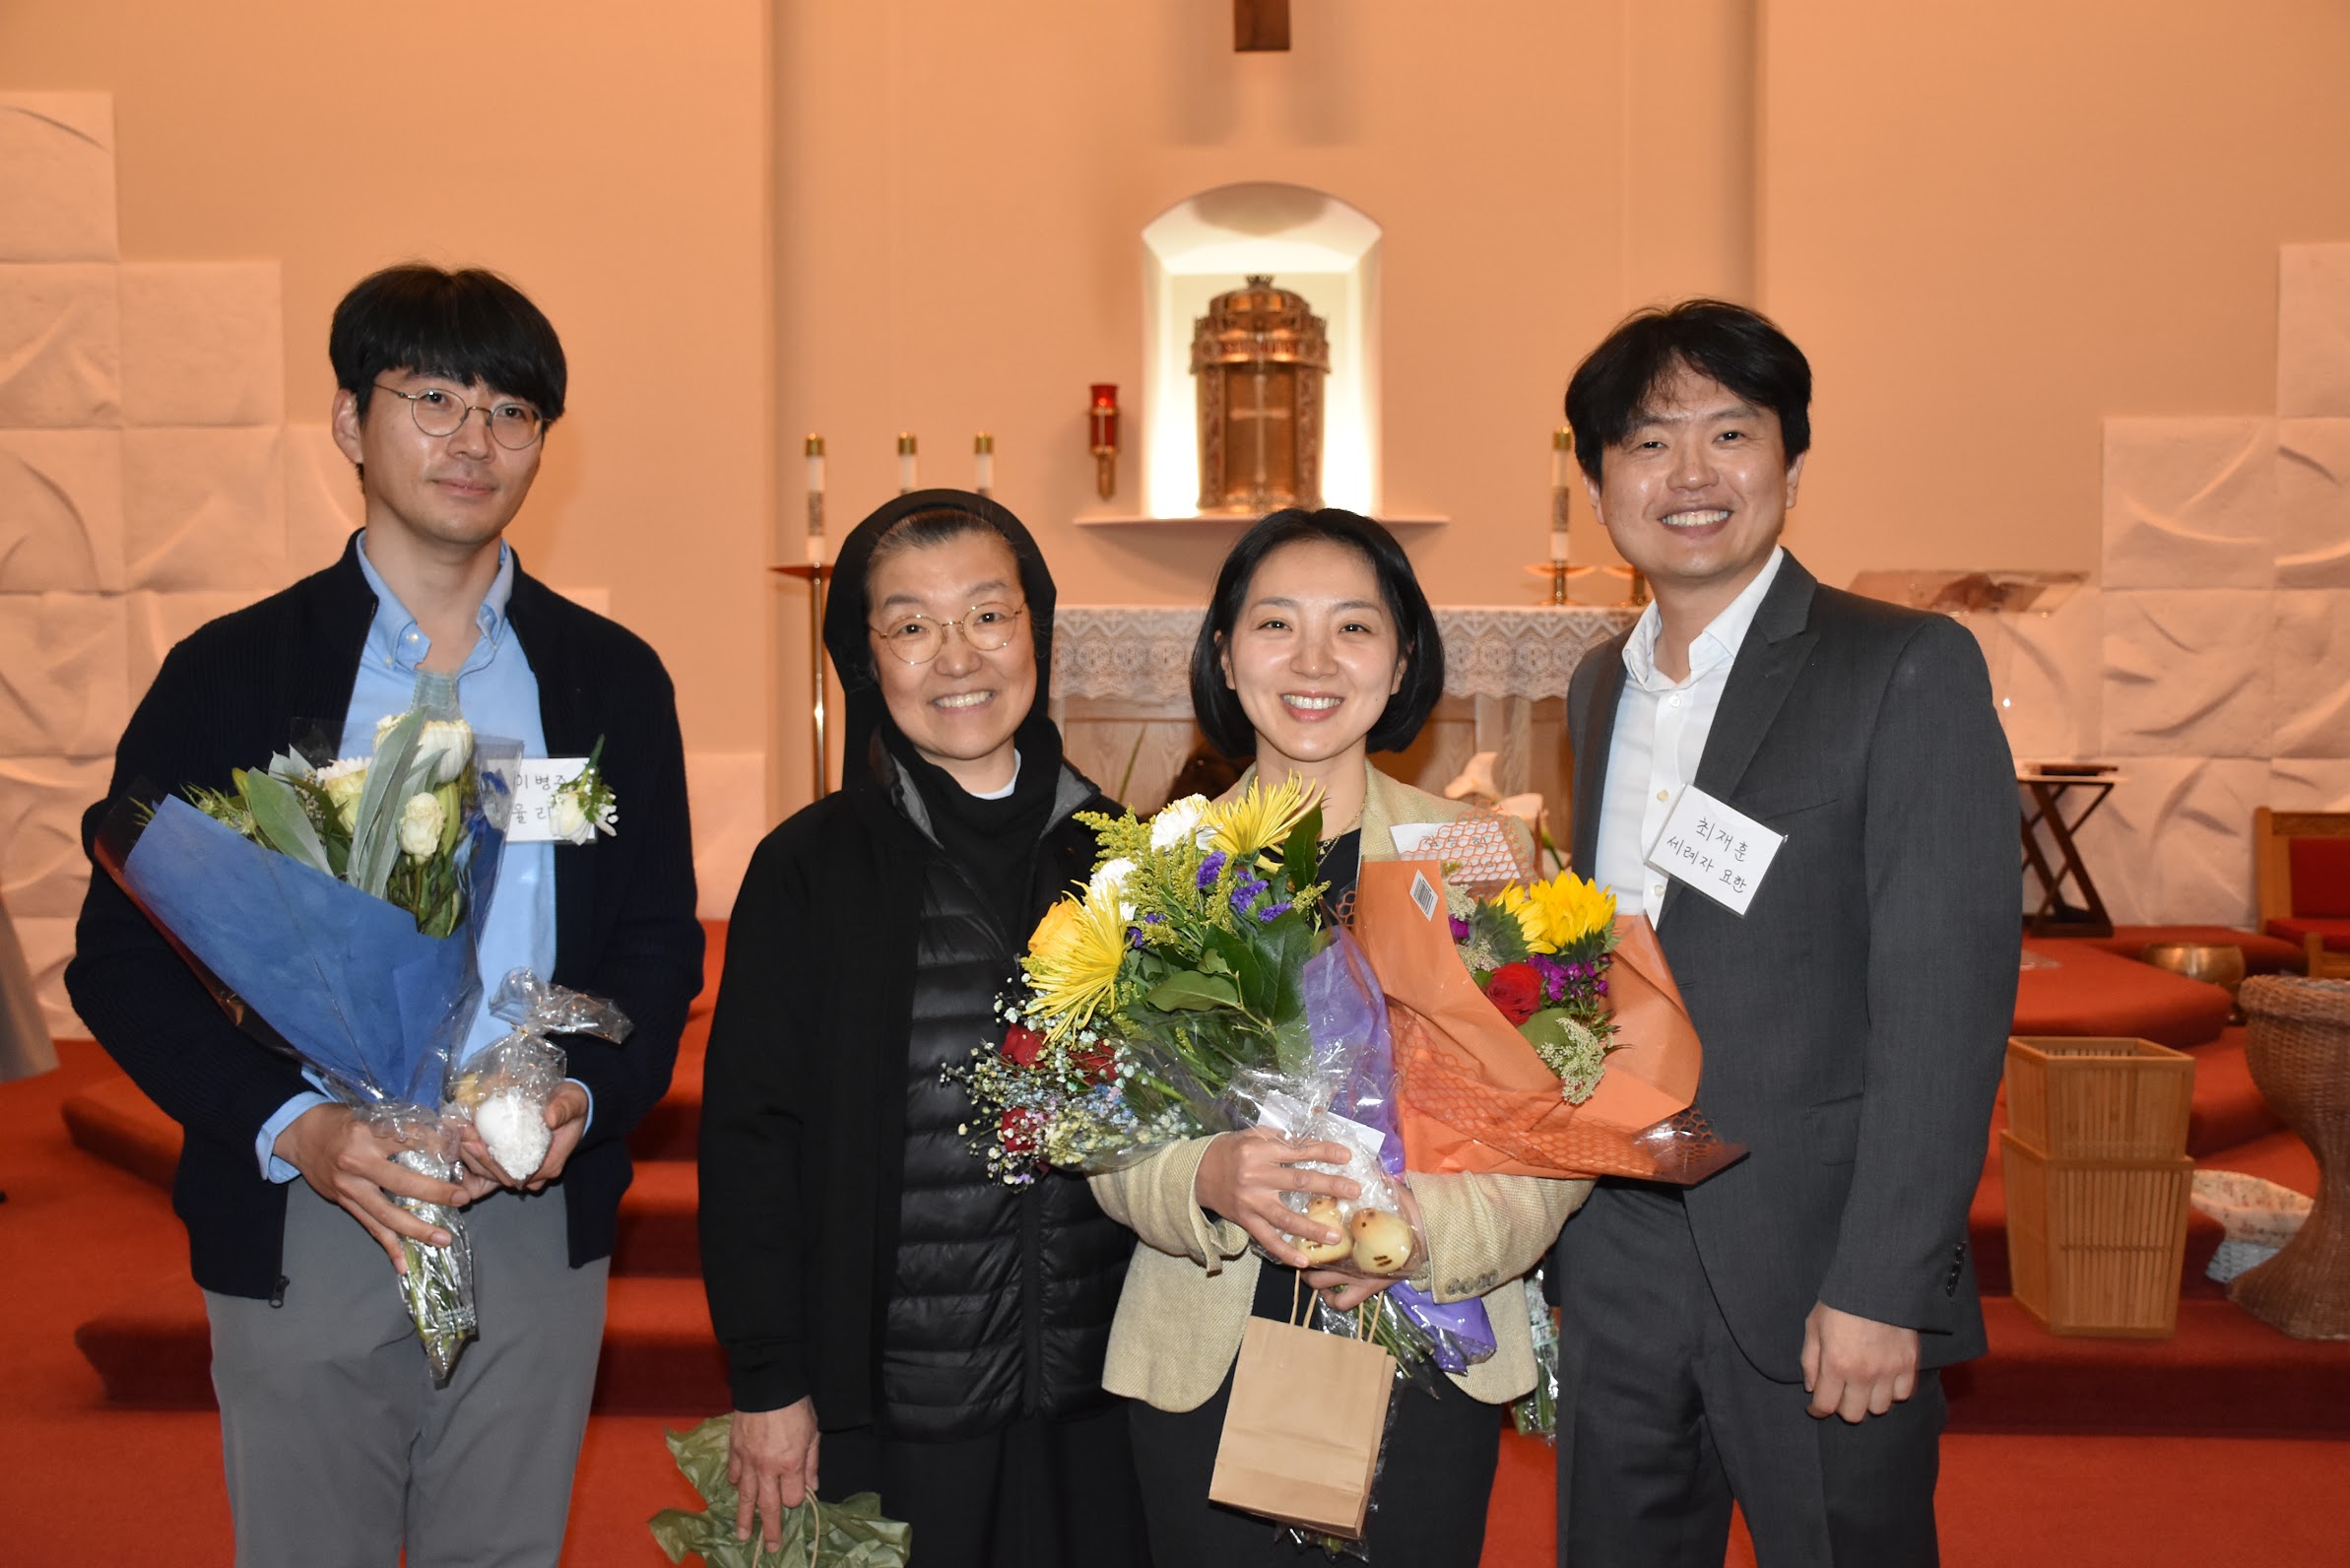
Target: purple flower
{"x": 1555, "y": 977}
{"x": 1247, "y": 893}
{"x": 1210, "y": 869}
{"x": 1273, "y": 912}
{"x": 1134, "y": 936}
{"x": 1459, "y": 928}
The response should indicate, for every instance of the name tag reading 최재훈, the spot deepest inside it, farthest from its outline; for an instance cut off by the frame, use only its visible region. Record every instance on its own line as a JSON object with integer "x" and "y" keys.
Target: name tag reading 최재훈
{"x": 1719, "y": 851}
{"x": 535, "y": 780}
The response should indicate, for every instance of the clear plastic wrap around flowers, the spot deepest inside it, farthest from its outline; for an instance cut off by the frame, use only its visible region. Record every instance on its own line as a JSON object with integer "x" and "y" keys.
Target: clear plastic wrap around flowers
{"x": 504, "y": 1087}
{"x": 335, "y": 929}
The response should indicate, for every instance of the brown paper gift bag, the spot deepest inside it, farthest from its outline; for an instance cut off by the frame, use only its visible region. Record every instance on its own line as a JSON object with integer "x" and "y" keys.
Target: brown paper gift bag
{"x": 1303, "y": 1426}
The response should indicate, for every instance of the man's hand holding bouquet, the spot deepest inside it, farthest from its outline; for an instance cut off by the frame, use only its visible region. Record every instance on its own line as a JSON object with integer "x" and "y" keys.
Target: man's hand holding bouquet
{"x": 334, "y": 912}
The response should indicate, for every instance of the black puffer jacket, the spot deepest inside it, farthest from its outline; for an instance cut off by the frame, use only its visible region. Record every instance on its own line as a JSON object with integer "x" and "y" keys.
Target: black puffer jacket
{"x": 854, "y": 1250}
{"x": 1002, "y": 1296}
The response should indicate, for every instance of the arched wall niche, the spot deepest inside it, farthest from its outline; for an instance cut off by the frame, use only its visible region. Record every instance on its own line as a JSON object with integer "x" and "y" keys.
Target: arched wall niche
{"x": 1311, "y": 242}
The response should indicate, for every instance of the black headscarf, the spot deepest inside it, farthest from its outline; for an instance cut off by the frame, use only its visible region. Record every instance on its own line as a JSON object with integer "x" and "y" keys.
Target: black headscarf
{"x": 994, "y": 840}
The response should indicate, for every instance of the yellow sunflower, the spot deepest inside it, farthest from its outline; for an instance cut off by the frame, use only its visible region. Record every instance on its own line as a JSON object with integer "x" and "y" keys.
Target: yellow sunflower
{"x": 1573, "y": 909}
{"x": 1074, "y": 960}
{"x": 1530, "y": 916}
{"x": 1258, "y": 819}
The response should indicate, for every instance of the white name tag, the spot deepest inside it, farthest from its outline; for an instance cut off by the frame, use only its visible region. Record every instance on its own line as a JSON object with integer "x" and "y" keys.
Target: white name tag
{"x": 535, "y": 780}
{"x": 1721, "y": 852}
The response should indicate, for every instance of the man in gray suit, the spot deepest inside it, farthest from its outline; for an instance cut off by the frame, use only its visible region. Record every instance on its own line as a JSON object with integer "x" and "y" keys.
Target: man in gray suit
{"x": 1810, "y": 794}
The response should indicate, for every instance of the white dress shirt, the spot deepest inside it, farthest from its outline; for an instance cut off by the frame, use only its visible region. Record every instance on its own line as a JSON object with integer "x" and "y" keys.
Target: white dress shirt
{"x": 1661, "y": 730}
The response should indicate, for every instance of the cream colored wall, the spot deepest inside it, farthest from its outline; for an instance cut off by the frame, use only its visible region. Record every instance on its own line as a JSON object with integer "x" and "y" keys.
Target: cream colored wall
{"x": 1993, "y": 225}
{"x": 634, "y": 213}
{"x": 961, "y": 187}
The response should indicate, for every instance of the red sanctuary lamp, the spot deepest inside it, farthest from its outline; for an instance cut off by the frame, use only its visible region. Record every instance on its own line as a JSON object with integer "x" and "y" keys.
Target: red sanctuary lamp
{"x": 1103, "y": 437}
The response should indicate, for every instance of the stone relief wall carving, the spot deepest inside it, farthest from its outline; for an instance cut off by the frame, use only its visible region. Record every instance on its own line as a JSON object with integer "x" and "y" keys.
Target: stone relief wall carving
{"x": 150, "y": 481}
{"x": 2224, "y": 611}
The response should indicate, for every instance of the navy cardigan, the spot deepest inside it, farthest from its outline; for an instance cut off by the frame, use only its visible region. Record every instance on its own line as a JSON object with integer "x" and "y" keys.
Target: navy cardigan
{"x": 233, "y": 692}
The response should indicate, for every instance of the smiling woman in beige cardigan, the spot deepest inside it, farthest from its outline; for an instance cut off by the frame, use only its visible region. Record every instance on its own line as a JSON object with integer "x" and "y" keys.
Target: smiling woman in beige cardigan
{"x": 1318, "y": 647}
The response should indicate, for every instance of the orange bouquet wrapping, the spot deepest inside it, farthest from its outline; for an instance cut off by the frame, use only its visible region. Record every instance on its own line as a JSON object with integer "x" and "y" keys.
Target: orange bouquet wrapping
{"x": 1472, "y": 1094}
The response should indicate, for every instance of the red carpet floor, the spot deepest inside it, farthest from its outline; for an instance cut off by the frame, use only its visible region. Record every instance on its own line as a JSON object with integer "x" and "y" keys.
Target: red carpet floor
{"x": 2075, "y": 1480}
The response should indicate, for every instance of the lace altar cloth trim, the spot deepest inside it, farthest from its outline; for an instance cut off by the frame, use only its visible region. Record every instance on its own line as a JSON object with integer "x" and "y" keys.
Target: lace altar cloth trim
{"x": 1142, "y": 653}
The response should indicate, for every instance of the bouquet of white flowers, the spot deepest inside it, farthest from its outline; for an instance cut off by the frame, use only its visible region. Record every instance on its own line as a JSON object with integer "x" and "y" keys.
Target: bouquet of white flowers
{"x": 340, "y": 904}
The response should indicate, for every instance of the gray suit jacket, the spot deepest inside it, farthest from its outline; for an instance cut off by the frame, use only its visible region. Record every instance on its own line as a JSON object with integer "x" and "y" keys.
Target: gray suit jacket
{"x": 1855, "y": 1018}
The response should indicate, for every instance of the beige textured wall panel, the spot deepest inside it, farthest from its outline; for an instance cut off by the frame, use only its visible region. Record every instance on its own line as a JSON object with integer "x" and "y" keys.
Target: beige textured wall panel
{"x": 2190, "y": 503}
{"x": 2312, "y": 330}
{"x": 322, "y": 497}
{"x": 63, "y": 686}
{"x": 2174, "y": 842}
{"x": 42, "y": 870}
{"x": 57, "y": 176}
{"x": 203, "y": 342}
{"x": 2312, "y": 503}
{"x": 48, "y": 945}
{"x": 60, "y": 511}
{"x": 2187, "y": 672}
{"x": 203, "y": 508}
{"x": 2310, "y": 668}
{"x": 2047, "y": 675}
{"x": 60, "y": 347}
{"x": 727, "y": 793}
{"x": 153, "y": 621}
{"x": 2308, "y": 784}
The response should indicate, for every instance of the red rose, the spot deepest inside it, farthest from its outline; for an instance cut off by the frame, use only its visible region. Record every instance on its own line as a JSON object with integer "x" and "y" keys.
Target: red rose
{"x": 1021, "y": 1043}
{"x": 1016, "y": 1132}
{"x": 1096, "y": 1062}
{"x": 1517, "y": 989}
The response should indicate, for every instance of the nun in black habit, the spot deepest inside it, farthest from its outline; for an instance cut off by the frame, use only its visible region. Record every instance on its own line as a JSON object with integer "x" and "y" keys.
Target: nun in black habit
{"x": 893, "y": 1319}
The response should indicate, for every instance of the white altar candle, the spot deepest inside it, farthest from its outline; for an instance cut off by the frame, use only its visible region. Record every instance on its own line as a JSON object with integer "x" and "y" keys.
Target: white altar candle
{"x": 983, "y": 463}
{"x": 905, "y": 463}
{"x": 815, "y": 500}
{"x": 1562, "y": 478}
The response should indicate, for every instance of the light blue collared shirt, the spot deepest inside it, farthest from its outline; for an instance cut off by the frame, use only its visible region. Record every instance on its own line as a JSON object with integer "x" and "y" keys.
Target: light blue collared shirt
{"x": 499, "y": 696}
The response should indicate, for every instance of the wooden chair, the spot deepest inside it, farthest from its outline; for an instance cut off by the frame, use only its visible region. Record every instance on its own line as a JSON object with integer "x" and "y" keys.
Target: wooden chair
{"x": 2273, "y": 835}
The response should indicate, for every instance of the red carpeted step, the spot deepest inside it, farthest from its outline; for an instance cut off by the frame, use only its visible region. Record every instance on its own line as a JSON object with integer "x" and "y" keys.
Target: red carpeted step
{"x": 660, "y": 1357}
{"x": 2281, "y": 1157}
{"x": 2229, "y": 1108}
{"x": 657, "y": 1236}
{"x": 154, "y": 1351}
{"x": 2225, "y": 1372}
{"x": 113, "y": 1120}
{"x": 2092, "y": 991}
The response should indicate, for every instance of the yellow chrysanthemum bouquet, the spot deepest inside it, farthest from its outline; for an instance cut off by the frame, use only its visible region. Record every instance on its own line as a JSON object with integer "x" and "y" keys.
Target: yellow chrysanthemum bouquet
{"x": 1176, "y": 967}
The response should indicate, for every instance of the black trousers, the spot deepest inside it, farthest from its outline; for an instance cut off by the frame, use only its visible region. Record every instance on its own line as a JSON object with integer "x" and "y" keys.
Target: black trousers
{"x": 1436, "y": 1478}
{"x": 1034, "y": 1494}
{"x": 1663, "y": 1420}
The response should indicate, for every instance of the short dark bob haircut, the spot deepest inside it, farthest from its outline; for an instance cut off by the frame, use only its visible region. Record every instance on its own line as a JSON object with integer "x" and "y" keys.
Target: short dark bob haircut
{"x": 1217, "y": 707}
{"x": 1742, "y": 349}
{"x": 465, "y": 326}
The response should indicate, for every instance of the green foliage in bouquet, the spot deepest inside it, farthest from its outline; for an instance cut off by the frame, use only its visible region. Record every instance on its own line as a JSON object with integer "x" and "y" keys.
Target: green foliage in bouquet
{"x": 851, "y": 1534}
{"x": 388, "y": 824}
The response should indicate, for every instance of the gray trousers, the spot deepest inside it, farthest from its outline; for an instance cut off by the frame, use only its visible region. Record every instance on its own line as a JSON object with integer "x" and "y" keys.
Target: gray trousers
{"x": 1663, "y": 1420}
{"x": 339, "y": 1450}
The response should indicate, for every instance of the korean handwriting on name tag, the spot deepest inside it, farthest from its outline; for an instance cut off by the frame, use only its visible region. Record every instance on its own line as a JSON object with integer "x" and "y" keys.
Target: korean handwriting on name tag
{"x": 1721, "y": 852}
{"x": 535, "y": 780}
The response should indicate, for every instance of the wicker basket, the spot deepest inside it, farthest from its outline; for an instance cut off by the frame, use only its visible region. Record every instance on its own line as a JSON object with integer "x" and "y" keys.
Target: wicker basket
{"x": 2298, "y": 1047}
{"x": 2094, "y": 1246}
{"x": 2099, "y": 1098}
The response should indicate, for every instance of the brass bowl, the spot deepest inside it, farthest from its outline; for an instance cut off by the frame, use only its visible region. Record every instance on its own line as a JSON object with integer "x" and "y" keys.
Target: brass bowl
{"x": 2219, "y": 963}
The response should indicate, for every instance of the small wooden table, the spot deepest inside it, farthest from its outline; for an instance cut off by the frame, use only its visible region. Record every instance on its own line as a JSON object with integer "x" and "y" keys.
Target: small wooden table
{"x": 2042, "y": 808}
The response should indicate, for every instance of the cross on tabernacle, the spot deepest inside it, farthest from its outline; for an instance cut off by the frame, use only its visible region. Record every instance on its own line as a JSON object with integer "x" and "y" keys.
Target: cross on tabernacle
{"x": 1260, "y": 26}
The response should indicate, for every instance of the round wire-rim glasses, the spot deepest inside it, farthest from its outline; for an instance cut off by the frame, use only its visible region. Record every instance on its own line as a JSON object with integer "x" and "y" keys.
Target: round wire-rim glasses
{"x": 513, "y": 423}
{"x": 917, "y": 639}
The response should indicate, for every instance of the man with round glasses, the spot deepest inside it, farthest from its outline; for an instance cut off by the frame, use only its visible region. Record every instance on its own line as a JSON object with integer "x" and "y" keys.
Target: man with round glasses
{"x": 339, "y": 1447}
